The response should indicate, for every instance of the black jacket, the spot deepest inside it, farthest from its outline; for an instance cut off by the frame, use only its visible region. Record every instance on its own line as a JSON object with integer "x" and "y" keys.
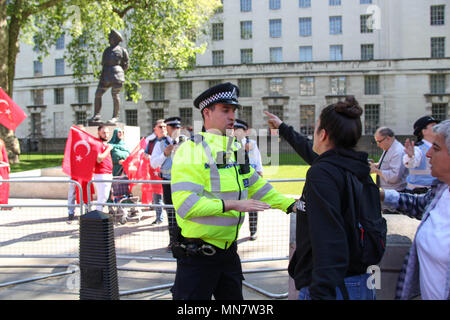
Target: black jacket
{"x": 321, "y": 259}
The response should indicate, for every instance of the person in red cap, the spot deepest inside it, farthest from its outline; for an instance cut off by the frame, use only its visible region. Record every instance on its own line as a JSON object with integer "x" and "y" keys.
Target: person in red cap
{"x": 419, "y": 179}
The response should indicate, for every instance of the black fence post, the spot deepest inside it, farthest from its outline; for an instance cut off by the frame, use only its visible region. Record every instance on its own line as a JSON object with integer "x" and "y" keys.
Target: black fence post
{"x": 98, "y": 269}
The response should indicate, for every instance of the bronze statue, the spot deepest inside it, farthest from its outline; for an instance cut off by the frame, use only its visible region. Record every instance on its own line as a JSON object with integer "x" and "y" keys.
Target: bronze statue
{"x": 114, "y": 65}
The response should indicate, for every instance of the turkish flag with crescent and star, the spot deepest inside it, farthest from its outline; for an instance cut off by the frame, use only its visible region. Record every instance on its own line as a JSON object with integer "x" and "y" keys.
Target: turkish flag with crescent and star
{"x": 11, "y": 115}
{"x": 80, "y": 154}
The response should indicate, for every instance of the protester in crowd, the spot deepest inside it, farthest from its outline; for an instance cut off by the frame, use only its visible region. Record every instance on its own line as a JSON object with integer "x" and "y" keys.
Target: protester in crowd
{"x": 419, "y": 179}
{"x": 119, "y": 152}
{"x": 159, "y": 132}
{"x": 241, "y": 132}
{"x": 72, "y": 193}
{"x": 103, "y": 167}
{"x": 161, "y": 158}
{"x": 390, "y": 170}
{"x": 4, "y": 174}
{"x": 326, "y": 247}
{"x": 426, "y": 270}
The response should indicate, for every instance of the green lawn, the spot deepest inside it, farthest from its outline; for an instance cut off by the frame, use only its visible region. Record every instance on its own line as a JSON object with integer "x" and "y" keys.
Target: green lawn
{"x": 37, "y": 161}
{"x": 286, "y": 172}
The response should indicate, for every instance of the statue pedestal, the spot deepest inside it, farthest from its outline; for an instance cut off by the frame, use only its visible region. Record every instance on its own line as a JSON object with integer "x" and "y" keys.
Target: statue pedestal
{"x": 132, "y": 134}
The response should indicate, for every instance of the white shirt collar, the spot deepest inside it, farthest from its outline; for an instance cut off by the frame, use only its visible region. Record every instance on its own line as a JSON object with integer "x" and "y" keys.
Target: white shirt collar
{"x": 427, "y": 143}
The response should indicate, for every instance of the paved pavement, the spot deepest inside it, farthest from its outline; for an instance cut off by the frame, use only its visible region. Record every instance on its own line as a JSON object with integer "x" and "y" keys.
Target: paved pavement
{"x": 39, "y": 242}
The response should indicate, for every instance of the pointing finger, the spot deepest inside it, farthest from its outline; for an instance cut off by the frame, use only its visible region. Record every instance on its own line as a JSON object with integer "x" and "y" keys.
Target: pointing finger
{"x": 270, "y": 115}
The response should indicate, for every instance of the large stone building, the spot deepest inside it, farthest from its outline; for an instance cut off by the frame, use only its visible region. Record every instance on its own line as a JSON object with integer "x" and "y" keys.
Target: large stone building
{"x": 291, "y": 57}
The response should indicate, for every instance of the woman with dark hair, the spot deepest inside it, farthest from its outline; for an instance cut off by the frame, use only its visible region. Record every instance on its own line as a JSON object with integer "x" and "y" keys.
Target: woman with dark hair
{"x": 322, "y": 262}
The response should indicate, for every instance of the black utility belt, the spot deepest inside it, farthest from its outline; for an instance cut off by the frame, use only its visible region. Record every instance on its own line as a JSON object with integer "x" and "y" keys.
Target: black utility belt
{"x": 193, "y": 249}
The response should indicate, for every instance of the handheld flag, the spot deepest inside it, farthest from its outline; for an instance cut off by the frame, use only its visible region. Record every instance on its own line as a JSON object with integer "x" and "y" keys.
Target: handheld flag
{"x": 80, "y": 154}
{"x": 11, "y": 115}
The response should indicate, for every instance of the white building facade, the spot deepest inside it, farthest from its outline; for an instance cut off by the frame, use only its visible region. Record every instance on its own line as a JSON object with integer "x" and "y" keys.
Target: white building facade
{"x": 290, "y": 57}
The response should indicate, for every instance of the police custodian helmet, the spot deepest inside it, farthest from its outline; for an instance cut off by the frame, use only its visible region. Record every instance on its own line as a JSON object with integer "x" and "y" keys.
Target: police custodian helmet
{"x": 226, "y": 93}
{"x": 240, "y": 124}
{"x": 422, "y": 123}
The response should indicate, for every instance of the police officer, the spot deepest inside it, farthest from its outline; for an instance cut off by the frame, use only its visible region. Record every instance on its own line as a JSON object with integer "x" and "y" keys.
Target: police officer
{"x": 213, "y": 186}
{"x": 419, "y": 179}
{"x": 161, "y": 158}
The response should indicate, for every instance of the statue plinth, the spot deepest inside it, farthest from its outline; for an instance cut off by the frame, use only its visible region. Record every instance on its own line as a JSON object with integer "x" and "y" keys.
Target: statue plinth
{"x": 94, "y": 123}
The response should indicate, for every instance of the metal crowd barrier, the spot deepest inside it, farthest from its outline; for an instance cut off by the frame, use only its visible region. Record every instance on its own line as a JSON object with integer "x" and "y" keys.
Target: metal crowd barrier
{"x": 18, "y": 219}
{"x": 140, "y": 243}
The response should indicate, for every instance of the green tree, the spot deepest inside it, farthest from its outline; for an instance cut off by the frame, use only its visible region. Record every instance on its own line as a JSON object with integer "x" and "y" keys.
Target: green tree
{"x": 159, "y": 34}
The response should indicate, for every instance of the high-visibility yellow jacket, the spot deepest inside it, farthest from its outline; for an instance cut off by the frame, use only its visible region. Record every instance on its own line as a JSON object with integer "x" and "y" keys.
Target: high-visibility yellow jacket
{"x": 201, "y": 180}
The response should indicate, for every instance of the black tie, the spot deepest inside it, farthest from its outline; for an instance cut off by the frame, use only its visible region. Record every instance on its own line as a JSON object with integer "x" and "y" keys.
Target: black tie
{"x": 379, "y": 166}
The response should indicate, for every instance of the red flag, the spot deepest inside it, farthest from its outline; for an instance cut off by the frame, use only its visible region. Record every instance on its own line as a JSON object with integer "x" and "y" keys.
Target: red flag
{"x": 80, "y": 154}
{"x": 4, "y": 174}
{"x": 10, "y": 113}
{"x": 4, "y": 186}
{"x": 132, "y": 163}
{"x": 137, "y": 167}
{"x": 84, "y": 189}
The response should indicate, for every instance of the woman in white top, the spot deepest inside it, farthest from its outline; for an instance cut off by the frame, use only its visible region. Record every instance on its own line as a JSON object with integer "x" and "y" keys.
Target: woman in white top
{"x": 427, "y": 266}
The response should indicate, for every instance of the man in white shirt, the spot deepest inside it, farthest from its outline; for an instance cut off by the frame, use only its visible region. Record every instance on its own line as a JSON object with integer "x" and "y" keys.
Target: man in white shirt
{"x": 241, "y": 132}
{"x": 159, "y": 131}
{"x": 161, "y": 158}
{"x": 390, "y": 169}
{"x": 427, "y": 268}
{"x": 419, "y": 179}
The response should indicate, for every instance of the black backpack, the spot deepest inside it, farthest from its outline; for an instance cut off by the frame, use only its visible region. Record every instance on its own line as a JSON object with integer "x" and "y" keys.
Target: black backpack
{"x": 367, "y": 227}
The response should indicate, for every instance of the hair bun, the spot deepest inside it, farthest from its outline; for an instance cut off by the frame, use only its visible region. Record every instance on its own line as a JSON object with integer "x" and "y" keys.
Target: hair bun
{"x": 350, "y": 107}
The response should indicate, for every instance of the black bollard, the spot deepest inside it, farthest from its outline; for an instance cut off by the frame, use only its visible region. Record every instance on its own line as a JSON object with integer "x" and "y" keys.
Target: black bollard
{"x": 98, "y": 269}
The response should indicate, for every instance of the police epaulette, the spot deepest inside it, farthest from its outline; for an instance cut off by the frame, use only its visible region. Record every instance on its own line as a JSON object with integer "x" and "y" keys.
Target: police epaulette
{"x": 197, "y": 140}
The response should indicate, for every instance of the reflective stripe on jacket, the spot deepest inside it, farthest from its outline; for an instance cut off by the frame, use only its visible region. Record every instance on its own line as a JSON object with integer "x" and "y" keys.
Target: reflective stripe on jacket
{"x": 201, "y": 180}
{"x": 421, "y": 176}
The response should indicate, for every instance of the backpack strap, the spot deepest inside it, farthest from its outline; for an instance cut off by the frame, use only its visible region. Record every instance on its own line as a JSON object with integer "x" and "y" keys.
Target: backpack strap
{"x": 357, "y": 188}
{"x": 344, "y": 291}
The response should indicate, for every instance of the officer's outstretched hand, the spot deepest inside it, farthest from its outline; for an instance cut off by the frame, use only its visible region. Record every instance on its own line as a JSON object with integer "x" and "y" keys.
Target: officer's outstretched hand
{"x": 274, "y": 122}
{"x": 246, "y": 205}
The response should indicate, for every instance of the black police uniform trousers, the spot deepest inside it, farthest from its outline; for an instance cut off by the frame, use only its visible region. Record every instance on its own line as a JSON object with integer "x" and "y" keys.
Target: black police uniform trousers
{"x": 174, "y": 230}
{"x": 201, "y": 277}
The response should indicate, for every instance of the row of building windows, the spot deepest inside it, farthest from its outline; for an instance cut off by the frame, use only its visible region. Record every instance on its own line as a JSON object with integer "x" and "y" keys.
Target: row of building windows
{"x": 81, "y": 96}
{"x": 437, "y": 17}
{"x": 304, "y": 27}
{"x": 338, "y": 86}
{"x": 336, "y": 53}
{"x": 60, "y": 42}
{"x": 246, "y": 5}
{"x": 437, "y": 12}
{"x": 59, "y": 67}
